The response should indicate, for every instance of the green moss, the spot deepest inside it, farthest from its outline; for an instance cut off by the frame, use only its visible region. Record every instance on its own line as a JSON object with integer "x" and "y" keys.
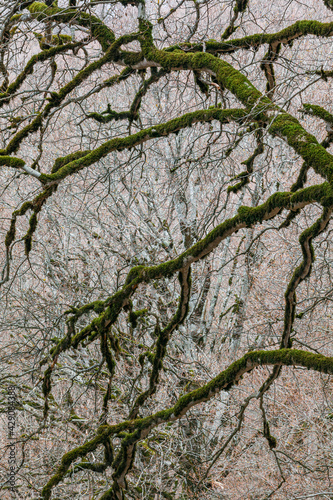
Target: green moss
{"x": 318, "y": 111}
{"x": 135, "y": 315}
{"x": 110, "y": 115}
{"x": 62, "y": 161}
{"x": 37, "y": 7}
{"x": 241, "y": 5}
{"x": 11, "y": 161}
{"x": 15, "y": 143}
{"x": 304, "y": 144}
{"x": 285, "y": 36}
{"x": 98, "y": 29}
{"x": 55, "y": 40}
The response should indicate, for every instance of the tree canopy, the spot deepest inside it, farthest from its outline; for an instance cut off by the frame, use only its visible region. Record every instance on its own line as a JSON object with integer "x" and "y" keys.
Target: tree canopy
{"x": 166, "y": 288}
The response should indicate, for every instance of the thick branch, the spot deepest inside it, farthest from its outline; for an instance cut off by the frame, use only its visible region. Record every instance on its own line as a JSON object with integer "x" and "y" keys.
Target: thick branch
{"x": 138, "y": 429}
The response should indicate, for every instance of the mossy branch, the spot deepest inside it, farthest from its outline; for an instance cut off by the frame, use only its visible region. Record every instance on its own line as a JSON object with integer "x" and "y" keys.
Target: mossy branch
{"x": 163, "y": 130}
{"x": 302, "y": 176}
{"x": 139, "y": 428}
{"x": 319, "y": 112}
{"x": 29, "y": 67}
{"x": 285, "y": 36}
{"x": 302, "y": 272}
{"x": 268, "y": 68}
{"x": 99, "y": 30}
{"x": 249, "y": 163}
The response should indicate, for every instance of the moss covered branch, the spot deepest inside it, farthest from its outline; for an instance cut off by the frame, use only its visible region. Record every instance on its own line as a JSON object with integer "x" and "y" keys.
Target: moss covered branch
{"x": 163, "y": 339}
{"x": 163, "y": 130}
{"x": 285, "y": 36}
{"x": 139, "y": 428}
{"x": 29, "y": 67}
{"x": 302, "y": 272}
{"x": 41, "y": 12}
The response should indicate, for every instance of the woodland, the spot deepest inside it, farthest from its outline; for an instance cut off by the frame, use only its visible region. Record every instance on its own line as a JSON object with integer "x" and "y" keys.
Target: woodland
{"x": 166, "y": 285}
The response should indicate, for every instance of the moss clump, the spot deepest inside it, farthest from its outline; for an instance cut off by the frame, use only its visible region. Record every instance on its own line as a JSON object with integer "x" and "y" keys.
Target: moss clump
{"x": 55, "y": 40}
{"x": 135, "y": 315}
{"x": 304, "y": 144}
{"x": 62, "y": 161}
{"x": 109, "y": 115}
{"x": 318, "y": 111}
{"x": 98, "y": 29}
{"x": 241, "y": 5}
{"x": 11, "y": 161}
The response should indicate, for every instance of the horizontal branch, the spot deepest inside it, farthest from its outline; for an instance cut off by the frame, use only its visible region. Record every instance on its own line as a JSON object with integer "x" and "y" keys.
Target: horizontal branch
{"x": 162, "y": 130}
{"x": 285, "y": 36}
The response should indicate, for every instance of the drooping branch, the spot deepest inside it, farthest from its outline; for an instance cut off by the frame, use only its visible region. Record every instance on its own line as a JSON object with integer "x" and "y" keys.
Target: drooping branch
{"x": 302, "y": 272}
{"x": 163, "y": 338}
{"x": 35, "y": 205}
{"x": 268, "y": 68}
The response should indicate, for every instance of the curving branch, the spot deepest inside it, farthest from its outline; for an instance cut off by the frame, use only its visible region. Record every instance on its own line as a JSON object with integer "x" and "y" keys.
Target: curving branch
{"x": 138, "y": 429}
